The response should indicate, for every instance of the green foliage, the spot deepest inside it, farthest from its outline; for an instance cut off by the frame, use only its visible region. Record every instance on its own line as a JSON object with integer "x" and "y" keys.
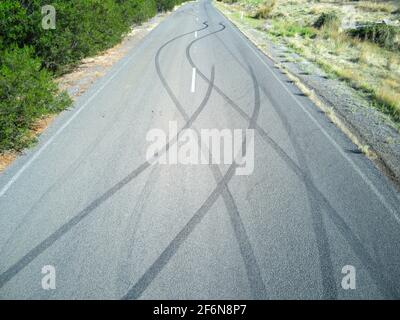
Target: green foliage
{"x": 384, "y": 35}
{"x": 27, "y": 92}
{"x": 30, "y": 55}
{"x": 13, "y": 23}
{"x": 327, "y": 20}
{"x": 83, "y": 27}
{"x": 137, "y": 11}
{"x": 164, "y": 5}
{"x": 292, "y": 30}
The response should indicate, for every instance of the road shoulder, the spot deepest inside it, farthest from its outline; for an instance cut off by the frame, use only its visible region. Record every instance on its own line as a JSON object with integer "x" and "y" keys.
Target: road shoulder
{"x": 373, "y": 132}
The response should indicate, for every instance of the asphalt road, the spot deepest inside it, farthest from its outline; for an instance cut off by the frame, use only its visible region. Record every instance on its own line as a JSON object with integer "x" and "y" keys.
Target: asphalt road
{"x": 85, "y": 200}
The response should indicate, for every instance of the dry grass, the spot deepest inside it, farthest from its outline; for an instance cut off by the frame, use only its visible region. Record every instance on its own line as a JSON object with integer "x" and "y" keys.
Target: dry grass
{"x": 370, "y": 55}
{"x": 317, "y": 9}
{"x": 390, "y": 97}
{"x": 264, "y": 9}
{"x": 346, "y": 73}
{"x": 393, "y": 63}
{"x": 364, "y": 65}
{"x": 376, "y": 6}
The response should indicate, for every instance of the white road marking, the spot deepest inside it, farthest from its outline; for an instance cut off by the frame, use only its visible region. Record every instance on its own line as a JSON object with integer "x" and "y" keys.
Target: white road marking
{"x": 193, "y": 87}
{"x": 195, "y": 34}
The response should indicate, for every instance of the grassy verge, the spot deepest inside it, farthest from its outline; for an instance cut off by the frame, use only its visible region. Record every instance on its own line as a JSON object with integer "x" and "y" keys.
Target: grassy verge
{"x": 347, "y": 40}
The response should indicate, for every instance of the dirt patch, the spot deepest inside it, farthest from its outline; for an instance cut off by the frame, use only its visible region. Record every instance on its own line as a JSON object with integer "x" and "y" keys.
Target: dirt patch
{"x": 38, "y": 127}
{"x": 6, "y": 159}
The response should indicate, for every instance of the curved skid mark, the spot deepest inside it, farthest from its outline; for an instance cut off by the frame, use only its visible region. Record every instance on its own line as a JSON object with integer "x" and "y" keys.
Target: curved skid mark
{"x": 252, "y": 268}
{"x": 141, "y": 285}
{"x": 161, "y": 76}
{"x": 50, "y": 240}
{"x": 323, "y": 247}
{"x": 147, "y": 278}
{"x": 65, "y": 228}
{"x": 391, "y": 208}
{"x": 67, "y": 173}
{"x": 386, "y": 287}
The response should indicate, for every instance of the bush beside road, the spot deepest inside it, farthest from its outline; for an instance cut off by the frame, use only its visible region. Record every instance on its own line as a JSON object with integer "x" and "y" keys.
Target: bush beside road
{"x": 31, "y": 56}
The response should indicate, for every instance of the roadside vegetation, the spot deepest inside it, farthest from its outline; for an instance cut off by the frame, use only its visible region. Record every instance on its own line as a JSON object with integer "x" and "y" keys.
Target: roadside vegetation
{"x": 356, "y": 41}
{"x": 31, "y": 57}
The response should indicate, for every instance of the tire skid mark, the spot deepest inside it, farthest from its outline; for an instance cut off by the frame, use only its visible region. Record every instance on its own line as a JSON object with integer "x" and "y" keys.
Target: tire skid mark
{"x": 72, "y": 168}
{"x": 147, "y": 278}
{"x": 13, "y": 270}
{"x": 132, "y": 226}
{"x": 56, "y": 235}
{"x": 386, "y": 286}
{"x": 161, "y": 76}
{"x": 323, "y": 247}
{"x": 252, "y": 268}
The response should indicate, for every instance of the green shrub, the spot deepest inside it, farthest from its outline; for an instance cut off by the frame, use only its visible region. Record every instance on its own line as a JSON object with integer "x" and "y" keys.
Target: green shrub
{"x": 137, "y": 11}
{"x": 327, "y": 20}
{"x": 13, "y": 24}
{"x": 27, "y": 92}
{"x": 292, "y": 30}
{"x": 165, "y": 5}
{"x": 386, "y": 36}
{"x": 30, "y": 55}
{"x": 83, "y": 27}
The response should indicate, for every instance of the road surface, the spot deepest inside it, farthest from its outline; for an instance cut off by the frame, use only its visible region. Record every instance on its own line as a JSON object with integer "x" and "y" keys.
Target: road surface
{"x": 86, "y": 202}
